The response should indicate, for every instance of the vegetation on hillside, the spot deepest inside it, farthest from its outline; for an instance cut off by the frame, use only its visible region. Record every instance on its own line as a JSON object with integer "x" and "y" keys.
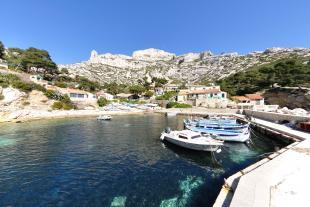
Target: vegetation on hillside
{"x": 285, "y": 72}
{"x": 102, "y": 102}
{"x": 7, "y": 80}
{"x": 64, "y": 102}
{"x": 1, "y": 50}
{"x": 31, "y": 60}
{"x": 167, "y": 95}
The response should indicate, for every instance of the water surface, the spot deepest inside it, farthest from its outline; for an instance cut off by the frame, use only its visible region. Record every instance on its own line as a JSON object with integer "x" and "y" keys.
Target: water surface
{"x": 85, "y": 162}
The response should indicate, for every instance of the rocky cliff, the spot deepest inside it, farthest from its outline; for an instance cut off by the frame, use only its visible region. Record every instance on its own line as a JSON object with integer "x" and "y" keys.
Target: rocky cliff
{"x": 191, "y": 67}
{"x": 290, "y": 97}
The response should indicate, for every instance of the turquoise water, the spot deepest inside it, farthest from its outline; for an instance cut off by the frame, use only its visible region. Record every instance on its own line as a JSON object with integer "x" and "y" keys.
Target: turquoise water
{"x": 85, "y": 162}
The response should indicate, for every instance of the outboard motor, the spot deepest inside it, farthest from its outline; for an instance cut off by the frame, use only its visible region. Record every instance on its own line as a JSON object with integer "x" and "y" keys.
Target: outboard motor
{"x": 167, "y": 130}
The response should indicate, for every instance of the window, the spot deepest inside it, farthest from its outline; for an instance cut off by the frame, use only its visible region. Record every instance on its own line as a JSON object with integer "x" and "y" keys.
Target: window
{"x": 182, "y": 137}
{"x": 73, "y": 95}
{"x": 196, "y": 136}
{"x": 80, "y": 95}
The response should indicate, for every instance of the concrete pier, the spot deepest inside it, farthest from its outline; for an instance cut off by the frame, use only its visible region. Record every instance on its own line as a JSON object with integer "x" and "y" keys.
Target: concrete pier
{"x": 281, "y": 179}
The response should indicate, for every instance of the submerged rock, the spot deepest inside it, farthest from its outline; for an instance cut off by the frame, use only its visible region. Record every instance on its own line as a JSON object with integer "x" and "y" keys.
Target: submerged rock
{"x": 119, "y": 201}
{"x": 186, "y": 187}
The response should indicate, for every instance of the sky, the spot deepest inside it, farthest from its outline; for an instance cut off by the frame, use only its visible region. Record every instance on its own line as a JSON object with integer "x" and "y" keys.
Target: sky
{"x": 70, "y": 29}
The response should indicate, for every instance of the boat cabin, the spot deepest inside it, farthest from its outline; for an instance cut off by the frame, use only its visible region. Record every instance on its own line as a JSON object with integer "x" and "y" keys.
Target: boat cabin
{"x": 187, "y": 134}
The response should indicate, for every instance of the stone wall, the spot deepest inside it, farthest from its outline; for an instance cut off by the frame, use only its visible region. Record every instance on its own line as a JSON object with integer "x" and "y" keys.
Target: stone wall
{"x": 274, "y": 117}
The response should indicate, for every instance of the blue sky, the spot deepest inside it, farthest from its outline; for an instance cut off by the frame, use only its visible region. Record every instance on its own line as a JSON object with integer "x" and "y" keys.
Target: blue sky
{"x": 70, "y": 29}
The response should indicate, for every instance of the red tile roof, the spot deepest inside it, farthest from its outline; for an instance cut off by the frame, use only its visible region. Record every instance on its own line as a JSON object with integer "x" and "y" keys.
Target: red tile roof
{"x": 73, "y": 90}
{"x": 187, "y": 92}
{"x": 254, "y": 96}
{"x": 239, "y": 98}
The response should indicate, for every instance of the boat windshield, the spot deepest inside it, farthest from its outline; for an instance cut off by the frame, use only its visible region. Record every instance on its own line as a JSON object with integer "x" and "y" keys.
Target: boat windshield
{"x": 196, "y": 136}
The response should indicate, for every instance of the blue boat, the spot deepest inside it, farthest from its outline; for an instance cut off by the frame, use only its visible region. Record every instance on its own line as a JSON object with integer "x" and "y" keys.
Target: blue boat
{"x": 204, "y": 123}
{"x": 225, "y": 135}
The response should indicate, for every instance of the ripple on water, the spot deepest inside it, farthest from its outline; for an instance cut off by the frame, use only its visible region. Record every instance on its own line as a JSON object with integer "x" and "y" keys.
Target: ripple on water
{"x": 4, "y": 142}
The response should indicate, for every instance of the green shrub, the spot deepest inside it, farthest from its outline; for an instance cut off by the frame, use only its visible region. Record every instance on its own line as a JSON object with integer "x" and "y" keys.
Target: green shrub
{"x": 22, "y": 86}
{"x": 26, "y": 103}
{"x": 65, "y": 99}
{"x": 102, "y": 102}
{"x": 1, "y": 96}
{"x": 149, "y": 94}
{"x": 167, "y": 96}
{"x": 67, "y": 106}
{"x": 52, "y": 94}
{"x": 61, "y": 84}
{"x": 38, "y": 87}
{"x": 57, "y": 105}
{"x": 178, "y": 105}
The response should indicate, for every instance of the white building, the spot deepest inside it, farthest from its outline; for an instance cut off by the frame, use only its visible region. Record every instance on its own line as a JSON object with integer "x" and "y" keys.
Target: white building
{"x": 248, "y": 101}
{"x": 105, "y": 95}
{"x": 208, "y": 97}
{"x": 201, "y": 87}
{"x": 3, "y": 64}
{"x": 79, "y": 95}
{"x": 38, "y": 79}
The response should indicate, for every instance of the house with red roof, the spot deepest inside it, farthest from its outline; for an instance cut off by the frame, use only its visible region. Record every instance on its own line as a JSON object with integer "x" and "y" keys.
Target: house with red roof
{"x": 249, "y": 101}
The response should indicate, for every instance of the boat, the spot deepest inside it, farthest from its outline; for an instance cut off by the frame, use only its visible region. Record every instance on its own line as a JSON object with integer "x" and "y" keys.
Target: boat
{"x": 104, "y": 117}
{"x": 225, "y": 135}
{"x": 171, "y": 113}
{"x": 192, "y": 140}
{"x": 215, "y": 125}
{"x": 304, "y": 126}
{"x": 220, "y": 118}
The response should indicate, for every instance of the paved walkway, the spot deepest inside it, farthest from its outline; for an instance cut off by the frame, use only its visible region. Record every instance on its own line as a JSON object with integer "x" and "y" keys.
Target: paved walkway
{"x": 282, "y": 128}
{"x": 281, "y": 180}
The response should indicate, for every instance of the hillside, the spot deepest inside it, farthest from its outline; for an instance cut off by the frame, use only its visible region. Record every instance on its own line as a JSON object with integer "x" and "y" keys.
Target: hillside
{"x": 293, "y": 72}
{"x": 191, "y": 67}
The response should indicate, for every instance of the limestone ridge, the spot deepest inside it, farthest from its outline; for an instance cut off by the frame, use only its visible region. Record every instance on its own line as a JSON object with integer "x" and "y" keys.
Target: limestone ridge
{"x": 191, "y": 67}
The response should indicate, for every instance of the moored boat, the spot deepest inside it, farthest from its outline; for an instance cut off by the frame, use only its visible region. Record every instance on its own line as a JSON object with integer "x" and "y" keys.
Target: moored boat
{"x": 104, "y": 117}
{"x": 192, "y": 140}
{"x": 225, "y": 135}
{"x": 171, "y": 113}
{"x": 215, "y": 125}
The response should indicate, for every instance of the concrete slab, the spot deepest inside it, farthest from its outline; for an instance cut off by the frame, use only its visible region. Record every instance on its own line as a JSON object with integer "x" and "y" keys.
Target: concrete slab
{"x": 280, "y": 182}
{"x": 281, "y": 128}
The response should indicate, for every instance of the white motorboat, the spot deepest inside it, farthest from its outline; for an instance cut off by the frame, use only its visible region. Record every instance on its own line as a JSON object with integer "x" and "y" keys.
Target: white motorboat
{"x": 171, "y": 113}
{"x": 104, "y": 117}
{"x": 192, "y": 140}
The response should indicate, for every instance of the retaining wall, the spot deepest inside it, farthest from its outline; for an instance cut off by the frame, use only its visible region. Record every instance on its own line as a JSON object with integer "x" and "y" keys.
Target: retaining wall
{"x": 271, "y": 116}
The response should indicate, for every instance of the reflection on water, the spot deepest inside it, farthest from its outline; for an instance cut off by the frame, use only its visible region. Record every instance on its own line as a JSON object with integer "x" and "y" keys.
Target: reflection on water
{"x": 85, "y": 162}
